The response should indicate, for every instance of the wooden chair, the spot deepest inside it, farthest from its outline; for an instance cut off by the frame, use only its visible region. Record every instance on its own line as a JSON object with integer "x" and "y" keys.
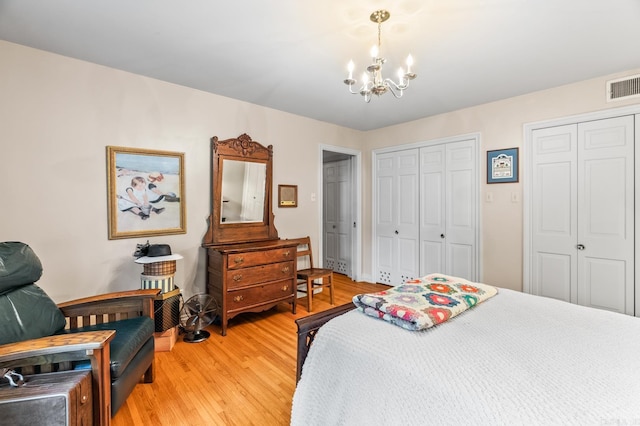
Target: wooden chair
{"x": 311, "y": 275}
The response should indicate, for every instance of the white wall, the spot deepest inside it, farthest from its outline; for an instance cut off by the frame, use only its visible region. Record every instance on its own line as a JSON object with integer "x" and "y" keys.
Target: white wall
{"x": 501, "y": 126}
{"x": 58, "y": 114}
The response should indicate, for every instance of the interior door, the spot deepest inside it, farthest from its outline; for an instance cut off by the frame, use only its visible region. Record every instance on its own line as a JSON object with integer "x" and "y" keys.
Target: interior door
{"x": 460, "y": 196}
{"x": 583, "y": 213}
{"x": 554, "y": 220}
{"x": 448, "y": 209}
{"x": 432, "y": 210}
{"x": 337, "y": 216}
{"x": 606, "y": 214}
{"x": 397, "y": 225}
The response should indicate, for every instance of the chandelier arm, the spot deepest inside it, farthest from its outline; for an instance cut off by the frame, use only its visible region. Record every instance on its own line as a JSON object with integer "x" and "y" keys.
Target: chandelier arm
{"x": 351, "y": 90}
{"x": 398, "y": 86}
{"x": 395, "y": 90}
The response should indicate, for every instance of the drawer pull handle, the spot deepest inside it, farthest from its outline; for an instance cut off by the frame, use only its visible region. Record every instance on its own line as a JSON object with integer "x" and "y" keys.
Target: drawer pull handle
{"x": 238, "y": 298}
{"x": 285, "y": 269}
{"x": 237, "y": 278}
{"x": 238, "y": 260}
{"x": 83, "y": 399}
{"x": 285, "y": 287}
{"x": 286, "y": 253}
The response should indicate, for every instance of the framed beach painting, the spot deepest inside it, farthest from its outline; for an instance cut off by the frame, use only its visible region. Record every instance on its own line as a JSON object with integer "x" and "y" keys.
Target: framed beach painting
{"x": 145, "y": 192}
{"x": 502, "y": 165}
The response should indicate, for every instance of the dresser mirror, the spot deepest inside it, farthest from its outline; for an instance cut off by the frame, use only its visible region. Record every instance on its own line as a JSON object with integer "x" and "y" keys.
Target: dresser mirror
{"x": 243, "y": 191}
{"x": 241, "y": 185}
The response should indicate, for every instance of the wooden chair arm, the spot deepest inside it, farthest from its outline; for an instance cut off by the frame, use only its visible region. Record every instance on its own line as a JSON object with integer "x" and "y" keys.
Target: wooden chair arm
{"x": 131, "y": 303}
{"x": 145, "y": 293}
{"x": 92, "y": 344}
{"x": 56, "y": 344}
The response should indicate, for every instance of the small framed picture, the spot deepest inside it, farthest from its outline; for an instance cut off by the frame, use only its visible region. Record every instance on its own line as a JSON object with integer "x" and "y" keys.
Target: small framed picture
{"x": 502, "y": 166}
{"x": 145, "y": 191}
{"x": 287, "y": 195}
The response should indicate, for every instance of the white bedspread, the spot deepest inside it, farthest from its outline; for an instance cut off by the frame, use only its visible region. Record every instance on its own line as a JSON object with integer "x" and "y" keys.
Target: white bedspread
{"x": 515, "y": 359}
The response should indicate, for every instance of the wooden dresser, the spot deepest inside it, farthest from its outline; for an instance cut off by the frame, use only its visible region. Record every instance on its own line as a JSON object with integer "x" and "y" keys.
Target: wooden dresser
{"x": 251, "y": 277}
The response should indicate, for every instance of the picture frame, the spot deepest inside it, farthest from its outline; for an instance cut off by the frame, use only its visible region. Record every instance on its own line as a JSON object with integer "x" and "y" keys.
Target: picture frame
{"x": 287, "y": 195}
{"x": 502, "y": 166}
{"x": 145, "y": 192}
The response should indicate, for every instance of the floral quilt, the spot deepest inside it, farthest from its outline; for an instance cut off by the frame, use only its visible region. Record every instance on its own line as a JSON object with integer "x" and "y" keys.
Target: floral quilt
{"x": 424, "y": 302}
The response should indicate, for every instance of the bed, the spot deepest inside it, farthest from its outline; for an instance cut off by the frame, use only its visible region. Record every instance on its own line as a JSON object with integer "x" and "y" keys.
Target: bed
{"x": 512, "y": 359}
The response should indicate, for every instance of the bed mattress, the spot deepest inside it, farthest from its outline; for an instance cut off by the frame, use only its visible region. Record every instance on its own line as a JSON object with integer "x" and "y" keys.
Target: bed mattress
{"x": 514, "y": 359}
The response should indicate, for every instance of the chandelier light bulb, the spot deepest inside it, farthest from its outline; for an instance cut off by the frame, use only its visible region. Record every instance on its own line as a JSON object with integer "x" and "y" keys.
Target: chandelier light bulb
{"x": 409, "y": 63}
{"x": 374, "y": 52}
{"x": 373, "y": 82}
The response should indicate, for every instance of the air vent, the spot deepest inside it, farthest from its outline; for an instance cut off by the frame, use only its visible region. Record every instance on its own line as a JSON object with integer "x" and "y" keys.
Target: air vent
{"x": 623, "y": 88}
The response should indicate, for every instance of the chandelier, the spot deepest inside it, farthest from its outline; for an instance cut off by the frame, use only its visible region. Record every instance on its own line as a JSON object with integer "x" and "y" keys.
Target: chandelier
{"x": 372, "y": 81}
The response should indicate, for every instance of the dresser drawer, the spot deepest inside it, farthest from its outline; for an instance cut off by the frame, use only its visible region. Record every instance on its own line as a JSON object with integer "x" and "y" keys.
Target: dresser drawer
{"x": 254, "y": 258}
{"x": 259, "y": 274}
{"x": 243, "y": 298}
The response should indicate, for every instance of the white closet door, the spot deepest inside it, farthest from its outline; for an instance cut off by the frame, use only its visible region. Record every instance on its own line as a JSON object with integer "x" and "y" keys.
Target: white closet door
{"x": 397, "y": 226}
{"x": 432, "y": 210}
{"x": 448, "y": 209}
{"x": 460, "y": 195}
{"x": 606, "y": 214}
{"x": 583, "y": 213}
{"x": 554, "y": 219}
{"x": 337, "y": 215}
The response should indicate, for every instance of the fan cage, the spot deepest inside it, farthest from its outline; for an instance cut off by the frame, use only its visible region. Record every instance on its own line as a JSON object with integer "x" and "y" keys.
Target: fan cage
{"x": 214, "y": 305}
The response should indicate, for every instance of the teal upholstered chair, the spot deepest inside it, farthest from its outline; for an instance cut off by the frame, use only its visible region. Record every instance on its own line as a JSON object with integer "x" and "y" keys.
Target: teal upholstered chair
{"x": 39, "y": 336}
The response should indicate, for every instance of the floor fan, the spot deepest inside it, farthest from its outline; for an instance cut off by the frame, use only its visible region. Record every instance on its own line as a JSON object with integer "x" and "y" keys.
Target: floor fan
{"x": 197, "y": 313}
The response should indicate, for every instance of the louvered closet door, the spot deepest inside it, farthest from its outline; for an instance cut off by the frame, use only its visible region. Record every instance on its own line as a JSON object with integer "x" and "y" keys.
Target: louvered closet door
{"x": 397, "y": 226}
{"x": 583, "y": 213}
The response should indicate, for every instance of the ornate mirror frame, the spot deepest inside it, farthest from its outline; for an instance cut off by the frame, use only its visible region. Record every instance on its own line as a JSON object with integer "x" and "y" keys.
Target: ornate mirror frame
{"x": 247, "y": 150}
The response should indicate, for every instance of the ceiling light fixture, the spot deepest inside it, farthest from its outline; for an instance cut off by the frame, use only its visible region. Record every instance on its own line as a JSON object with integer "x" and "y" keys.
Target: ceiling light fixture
{"x": 376, "y": 84}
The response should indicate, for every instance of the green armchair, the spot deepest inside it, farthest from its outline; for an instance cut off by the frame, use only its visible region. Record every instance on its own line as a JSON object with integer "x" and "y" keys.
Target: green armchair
{"x": 112, "y": 334}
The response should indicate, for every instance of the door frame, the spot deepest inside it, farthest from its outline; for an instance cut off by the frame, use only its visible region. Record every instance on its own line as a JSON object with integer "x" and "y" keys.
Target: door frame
{"x": 528, "y": 129}
{"x": 356, "y": 211}
{"x": 477, "y": 138}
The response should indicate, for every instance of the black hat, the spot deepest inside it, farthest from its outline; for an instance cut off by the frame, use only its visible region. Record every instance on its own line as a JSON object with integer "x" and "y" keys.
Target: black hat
{"x": 156, "y": 250}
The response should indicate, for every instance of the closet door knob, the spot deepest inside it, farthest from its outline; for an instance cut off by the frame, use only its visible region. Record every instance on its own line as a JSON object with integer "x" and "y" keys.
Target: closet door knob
{"x": 441, "y": 235}
{"x": 396, "y": 232}
{"x": 580, "y": 247}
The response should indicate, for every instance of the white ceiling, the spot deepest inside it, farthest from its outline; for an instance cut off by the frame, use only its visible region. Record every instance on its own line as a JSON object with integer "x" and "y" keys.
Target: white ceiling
{"x": 291, "y": 55}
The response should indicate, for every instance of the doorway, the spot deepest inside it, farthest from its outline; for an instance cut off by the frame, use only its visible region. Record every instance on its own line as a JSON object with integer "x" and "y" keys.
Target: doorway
{"x": 340, "y": 210}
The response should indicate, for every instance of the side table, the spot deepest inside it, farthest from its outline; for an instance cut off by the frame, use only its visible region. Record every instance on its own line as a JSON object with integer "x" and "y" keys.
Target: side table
{"x": 62, "y": 398}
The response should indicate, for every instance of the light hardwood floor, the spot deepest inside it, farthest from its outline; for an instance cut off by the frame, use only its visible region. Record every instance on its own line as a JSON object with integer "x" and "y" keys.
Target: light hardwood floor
{"x": 244, "y": 378}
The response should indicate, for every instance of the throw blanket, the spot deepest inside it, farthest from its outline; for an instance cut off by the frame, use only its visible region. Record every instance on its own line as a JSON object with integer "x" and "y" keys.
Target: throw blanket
{"x": 425, "y": 302}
